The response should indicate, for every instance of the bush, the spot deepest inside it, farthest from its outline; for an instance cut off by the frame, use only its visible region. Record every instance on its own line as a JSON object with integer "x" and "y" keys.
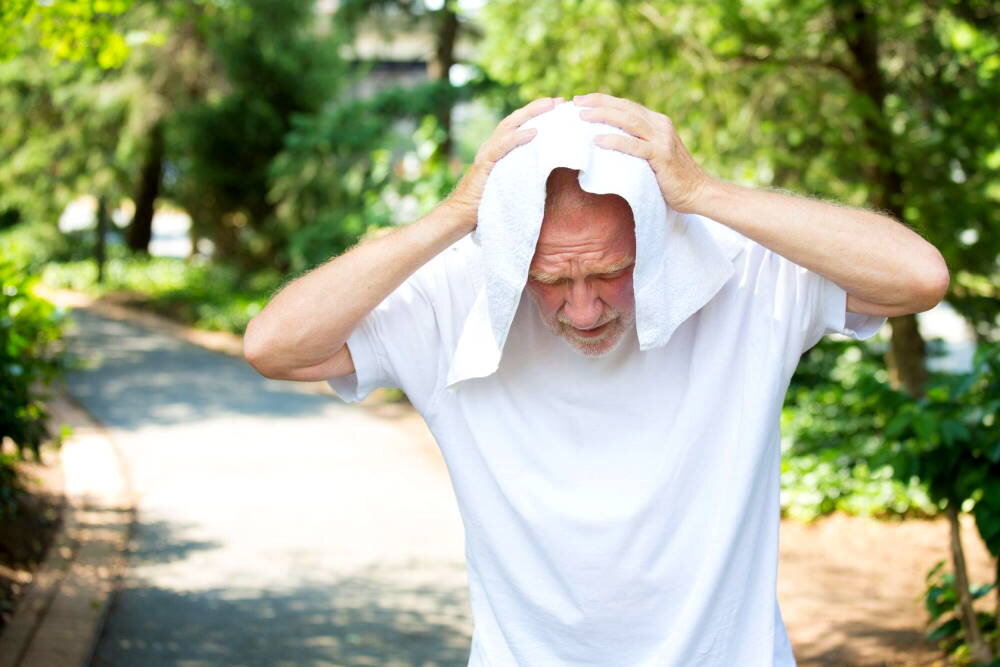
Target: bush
{"x": 941, "y": 601}
{"x": 31, "y": 357}
{"x": 32, "y": 245}
{"x": 207, "y": 295}
{"x": 813, "y": 485}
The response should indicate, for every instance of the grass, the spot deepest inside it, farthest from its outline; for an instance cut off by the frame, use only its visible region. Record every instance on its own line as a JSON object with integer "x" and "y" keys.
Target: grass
{"x": 205, "y": 295}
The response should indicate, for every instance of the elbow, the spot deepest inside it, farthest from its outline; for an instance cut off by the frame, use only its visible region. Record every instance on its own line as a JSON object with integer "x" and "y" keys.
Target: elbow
{"x": 934, "y": 280}
{"x": 255, "y": 352}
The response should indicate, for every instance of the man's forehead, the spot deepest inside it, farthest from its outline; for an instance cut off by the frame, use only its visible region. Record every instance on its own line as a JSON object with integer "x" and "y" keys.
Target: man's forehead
{"x": 543, "y": 265}
{"x": 568, "y": 224}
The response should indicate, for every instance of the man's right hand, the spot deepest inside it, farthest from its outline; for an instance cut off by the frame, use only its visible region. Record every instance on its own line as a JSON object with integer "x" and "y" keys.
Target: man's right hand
{"x": 301, "y": 333}
{"x": 464, "y": 199}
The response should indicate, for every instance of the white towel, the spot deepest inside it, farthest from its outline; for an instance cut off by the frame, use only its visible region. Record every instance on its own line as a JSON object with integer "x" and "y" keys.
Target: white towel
{"x": 682, "y": 260}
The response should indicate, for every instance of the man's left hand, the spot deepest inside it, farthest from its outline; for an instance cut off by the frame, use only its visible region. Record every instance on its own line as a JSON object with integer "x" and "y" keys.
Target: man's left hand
{"x": 654, "y": 139}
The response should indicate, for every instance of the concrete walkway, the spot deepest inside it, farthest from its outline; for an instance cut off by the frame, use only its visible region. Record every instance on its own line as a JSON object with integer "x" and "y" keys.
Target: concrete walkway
{"x": 276, "y": 525}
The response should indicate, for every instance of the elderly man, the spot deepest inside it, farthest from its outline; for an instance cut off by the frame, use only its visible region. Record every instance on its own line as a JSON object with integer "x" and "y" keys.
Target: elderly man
{"x": 620, "y": 504}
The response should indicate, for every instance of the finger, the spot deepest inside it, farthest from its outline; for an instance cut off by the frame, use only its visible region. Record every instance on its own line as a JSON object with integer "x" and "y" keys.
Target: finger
{"x": 625, "y": 120}
{"x": 602, "y": 100}
{"x": 528, "y": 111}
{"x": 512, "y": 141}
{"x": 630, "y": 145}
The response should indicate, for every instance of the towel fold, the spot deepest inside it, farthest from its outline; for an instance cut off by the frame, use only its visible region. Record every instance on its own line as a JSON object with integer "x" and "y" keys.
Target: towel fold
{"x": 682, "y": 260}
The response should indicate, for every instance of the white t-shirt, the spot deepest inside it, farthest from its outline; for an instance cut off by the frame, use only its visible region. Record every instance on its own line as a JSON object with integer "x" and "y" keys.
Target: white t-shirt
{"x": 618, "y": 510}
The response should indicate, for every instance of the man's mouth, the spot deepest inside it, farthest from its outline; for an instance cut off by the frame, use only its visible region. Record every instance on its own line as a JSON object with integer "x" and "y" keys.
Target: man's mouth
{"x": 590, "y": 333}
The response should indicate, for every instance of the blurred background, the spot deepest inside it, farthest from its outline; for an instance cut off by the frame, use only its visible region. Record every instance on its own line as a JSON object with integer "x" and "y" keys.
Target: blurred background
{"x": 187, "y": 158}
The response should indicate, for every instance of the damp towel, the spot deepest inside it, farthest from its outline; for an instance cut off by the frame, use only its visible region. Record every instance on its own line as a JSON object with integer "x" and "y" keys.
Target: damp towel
{"x": 682, "y": 260}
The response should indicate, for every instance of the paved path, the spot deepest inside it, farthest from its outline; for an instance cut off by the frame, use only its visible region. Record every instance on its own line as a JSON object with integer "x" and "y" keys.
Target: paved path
{"x": 276, "y": 526}
{"x": 279, "y": 527}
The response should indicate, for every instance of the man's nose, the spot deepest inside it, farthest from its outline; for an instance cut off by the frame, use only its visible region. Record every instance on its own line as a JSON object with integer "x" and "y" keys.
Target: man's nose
{"x": 583, "y": 306}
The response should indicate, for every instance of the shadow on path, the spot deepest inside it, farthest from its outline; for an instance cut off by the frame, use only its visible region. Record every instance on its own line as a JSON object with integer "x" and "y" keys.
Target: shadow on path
{"x": 371, "y": 617}
{"x": 352, "y": 621}
{"x": 275, "y": 525}
{"x": 136, "y": 377}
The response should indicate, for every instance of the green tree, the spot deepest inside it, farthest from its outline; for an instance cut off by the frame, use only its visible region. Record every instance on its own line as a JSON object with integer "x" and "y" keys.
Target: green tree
{"x": 276, "y": 65}
{"x": 78, "y": 30}
{"x": 60, "y": 136}
{"x": 444, "y": 23}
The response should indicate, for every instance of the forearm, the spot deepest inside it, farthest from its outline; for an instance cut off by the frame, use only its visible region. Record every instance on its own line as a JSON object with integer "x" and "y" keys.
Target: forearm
{"x": 869, "y": 255}
{"x": 309, "y": 320}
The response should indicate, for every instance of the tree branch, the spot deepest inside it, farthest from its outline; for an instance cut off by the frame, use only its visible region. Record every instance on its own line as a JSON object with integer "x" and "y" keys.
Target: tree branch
{"x": 828, "y": 64}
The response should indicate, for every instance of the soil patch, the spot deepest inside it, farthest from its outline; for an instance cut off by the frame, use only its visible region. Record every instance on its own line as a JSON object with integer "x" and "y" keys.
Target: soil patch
{"x": 851, "y": 588}
{"x": 26, "y": 534}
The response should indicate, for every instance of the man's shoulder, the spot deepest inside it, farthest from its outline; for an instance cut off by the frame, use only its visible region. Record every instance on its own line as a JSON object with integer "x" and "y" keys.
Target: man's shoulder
{"x": 460, "y": 261}
{"x": 450, "y": 279}
{"x": 465, "y": 248}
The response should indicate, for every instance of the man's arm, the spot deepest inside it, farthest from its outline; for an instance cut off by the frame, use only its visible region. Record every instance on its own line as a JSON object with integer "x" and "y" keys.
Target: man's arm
{"x": 885, "y": 267}
{"x": 301, "y": 333}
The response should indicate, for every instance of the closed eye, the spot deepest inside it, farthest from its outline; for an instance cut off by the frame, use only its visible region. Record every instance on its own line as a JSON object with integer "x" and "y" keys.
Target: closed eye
{"x": 547, "y": 280}
{"x": 613, "y": 274}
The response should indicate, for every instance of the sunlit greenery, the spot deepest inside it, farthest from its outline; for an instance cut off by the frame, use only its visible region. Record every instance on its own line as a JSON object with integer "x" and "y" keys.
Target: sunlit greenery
{"x": 207, "y": 295}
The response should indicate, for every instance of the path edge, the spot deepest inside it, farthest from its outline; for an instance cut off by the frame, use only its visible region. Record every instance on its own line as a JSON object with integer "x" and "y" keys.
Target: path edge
{"x": 60, "y": 618}
{"x": 379, "y": 403}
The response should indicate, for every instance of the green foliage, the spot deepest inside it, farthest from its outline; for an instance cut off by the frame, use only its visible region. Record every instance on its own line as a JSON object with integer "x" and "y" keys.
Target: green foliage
{"x": 813, "y": 485}
{"x": 950, "y": 438}
{"x": 78, "y": 30}
{"x": 941, "y": 602}
{"x": 846, "y": 427}
{"x": 207, "y": 295}
{"x": 31, "y": 357}
{"x": 831, "y": 430}
{"x": 350, "y": 169}
{"x": 849, "y": 427}
{"x": 33, "y": 245}
{"x": 59, "y": 137}
{"x": 276, "y": 67}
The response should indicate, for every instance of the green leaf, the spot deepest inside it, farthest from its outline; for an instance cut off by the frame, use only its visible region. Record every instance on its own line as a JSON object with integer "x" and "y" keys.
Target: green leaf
{"x": 979, "y": 591}
{"x": 946, "y": 629}
{"x": 897, "y": 424}
{"x": 926, "y": 426}
{"x": 993, "y": 453}
{"x": 954, "y": 431}
{"x": 962, "y": 386}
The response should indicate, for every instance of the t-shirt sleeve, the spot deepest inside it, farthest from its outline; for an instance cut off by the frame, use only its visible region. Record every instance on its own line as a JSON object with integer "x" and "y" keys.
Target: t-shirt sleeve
{"x": 807, "y": 303}
{"x": 405, "y": 341}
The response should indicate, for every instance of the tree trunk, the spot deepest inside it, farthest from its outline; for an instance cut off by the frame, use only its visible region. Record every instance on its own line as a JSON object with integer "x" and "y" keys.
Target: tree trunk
{"x": 101, "y": 231}
{"x": 226, "y": 237}
{"x": 978, "y": 649}
{"x": 140, "y": 231}
{"x": 906, "y": 358}
{"x": 438, "y": 68}
{"x": 194, "y": 236}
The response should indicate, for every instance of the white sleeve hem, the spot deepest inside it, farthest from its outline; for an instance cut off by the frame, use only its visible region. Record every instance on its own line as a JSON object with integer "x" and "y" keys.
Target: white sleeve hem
{"x": 367, "y": 370}
{"x": 838, "y": 320}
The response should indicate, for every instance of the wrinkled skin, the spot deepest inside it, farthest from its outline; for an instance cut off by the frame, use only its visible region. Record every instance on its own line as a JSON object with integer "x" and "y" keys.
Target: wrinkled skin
{"x": 574, "y": 279}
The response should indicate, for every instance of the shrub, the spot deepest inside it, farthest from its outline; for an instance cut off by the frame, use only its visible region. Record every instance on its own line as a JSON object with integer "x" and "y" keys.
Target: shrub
{"x": 31, "y": 357}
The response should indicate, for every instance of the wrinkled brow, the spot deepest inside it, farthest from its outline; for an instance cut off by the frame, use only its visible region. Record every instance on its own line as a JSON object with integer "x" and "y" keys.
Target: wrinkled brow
{"x": 543, "y": 277}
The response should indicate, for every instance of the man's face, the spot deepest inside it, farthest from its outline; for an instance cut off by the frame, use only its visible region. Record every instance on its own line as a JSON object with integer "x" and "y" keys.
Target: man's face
{"x": 580, "y": 276}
